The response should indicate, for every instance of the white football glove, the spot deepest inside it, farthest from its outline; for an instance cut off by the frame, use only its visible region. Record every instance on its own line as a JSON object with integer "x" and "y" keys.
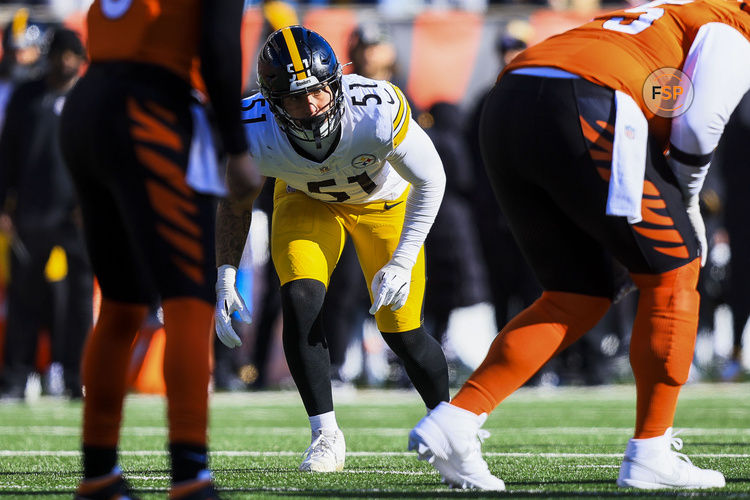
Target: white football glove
{"x": 696, "y": 220}
{"x": 390, "y": 286}
{"x": 228, "y": 300}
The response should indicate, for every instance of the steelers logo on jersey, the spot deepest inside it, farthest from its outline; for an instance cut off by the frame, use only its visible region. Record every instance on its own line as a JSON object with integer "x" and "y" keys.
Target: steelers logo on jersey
{"x": 363, "y": 161}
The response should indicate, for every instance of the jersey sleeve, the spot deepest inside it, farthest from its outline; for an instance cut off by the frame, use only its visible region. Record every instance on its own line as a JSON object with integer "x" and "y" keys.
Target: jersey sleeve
{"x": 254, "y": 114}
{"x": 719, "y": 83}
{"x": 401, "y": 113}
{"x": 417, "y": 161}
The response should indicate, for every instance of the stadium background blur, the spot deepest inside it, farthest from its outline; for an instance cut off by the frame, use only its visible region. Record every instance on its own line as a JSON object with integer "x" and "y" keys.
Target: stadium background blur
{"x": 447, "y": 55}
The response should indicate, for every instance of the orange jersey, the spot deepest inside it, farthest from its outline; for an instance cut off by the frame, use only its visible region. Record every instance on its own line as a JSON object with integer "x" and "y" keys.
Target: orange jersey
{"x": 162, "y": 32}
{"x": 619, "y": 50}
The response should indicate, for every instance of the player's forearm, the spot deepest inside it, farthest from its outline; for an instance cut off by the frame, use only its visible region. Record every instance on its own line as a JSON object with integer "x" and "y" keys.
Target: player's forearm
{"x": 417, "y": 161}
{"x": 232, "y": 226}
{"x": 221, "y": 68}
{"x": 422, "y": 206}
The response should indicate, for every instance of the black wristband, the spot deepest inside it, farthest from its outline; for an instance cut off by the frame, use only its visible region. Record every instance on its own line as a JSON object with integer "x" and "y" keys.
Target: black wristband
{"x": 688, "y": 158}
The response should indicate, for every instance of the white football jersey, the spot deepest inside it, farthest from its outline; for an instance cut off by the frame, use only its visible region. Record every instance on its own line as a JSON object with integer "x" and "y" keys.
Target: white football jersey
{"x": 375, "y": 121}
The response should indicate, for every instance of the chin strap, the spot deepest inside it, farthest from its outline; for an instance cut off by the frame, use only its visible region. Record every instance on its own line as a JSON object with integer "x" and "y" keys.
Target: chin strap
{"x": 316, "y": 135}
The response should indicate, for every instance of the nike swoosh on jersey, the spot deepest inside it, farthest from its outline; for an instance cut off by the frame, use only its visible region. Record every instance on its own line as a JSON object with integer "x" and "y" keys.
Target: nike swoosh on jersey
{"x": 388, "y": 207}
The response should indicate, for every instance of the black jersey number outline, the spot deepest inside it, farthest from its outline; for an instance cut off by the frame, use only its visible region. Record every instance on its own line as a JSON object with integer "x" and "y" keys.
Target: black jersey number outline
{"x": 250, "y": 106}
{"x": 364, "y": 181}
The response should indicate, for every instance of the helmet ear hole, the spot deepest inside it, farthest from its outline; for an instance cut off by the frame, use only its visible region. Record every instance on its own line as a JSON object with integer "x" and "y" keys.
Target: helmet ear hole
{"x": 295, "y": 60}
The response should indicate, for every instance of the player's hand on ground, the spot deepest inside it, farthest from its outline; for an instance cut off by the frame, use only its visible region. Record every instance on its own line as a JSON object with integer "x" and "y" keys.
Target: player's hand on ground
{"x": 228, "y": 300}
{"x": 390, "y": 286}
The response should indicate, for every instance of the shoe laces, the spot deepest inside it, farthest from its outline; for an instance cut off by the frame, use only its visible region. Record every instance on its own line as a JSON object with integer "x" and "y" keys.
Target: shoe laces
{"x": 474, "y": 455}
{"x": 319, "y": 446}
{"x": 482, "y": 434}
{"x": 676, "y": 443}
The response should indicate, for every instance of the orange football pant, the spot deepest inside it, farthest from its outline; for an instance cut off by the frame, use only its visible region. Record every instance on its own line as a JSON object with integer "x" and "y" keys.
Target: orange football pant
{"x": 662, "y": 344}
{"x": 188, "y": 324}
{"x": 528, "y": 341}
{"x": 661, "y": 347}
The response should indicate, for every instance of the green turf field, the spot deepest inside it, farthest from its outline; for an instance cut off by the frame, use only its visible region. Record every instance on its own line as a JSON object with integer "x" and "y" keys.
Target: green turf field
{"x": 544, "y": 443}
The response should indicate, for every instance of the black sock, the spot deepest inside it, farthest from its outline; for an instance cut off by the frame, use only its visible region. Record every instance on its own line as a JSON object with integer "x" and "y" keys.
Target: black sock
{"x": 424, "y": 362}
{"x": 98, "y": 461}
{"x": 305, "y": 347}
{"x": 187, "y": 460}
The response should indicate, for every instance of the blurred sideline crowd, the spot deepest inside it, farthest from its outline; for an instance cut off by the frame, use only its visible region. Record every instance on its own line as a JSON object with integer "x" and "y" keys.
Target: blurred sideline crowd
{"x": 477, "y": 278}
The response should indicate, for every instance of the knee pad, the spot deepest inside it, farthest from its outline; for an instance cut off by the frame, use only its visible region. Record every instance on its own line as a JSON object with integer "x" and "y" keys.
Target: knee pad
{"x": 666, "y": 323}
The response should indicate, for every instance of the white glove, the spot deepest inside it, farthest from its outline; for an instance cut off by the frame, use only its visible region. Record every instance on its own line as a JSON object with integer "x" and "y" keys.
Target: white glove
{"x": 696, "y": 220}
{"x": 390, "y": 286}
{"x": 228, "y": 300}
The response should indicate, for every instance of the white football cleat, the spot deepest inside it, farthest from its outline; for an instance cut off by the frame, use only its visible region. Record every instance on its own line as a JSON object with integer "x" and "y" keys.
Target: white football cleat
{"x": 326, "y": 452}
{"x": 449, "y": 438}
{"x": 652, "y": 464}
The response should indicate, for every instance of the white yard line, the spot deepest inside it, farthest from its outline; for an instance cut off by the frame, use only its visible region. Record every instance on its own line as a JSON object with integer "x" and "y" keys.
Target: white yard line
{"x": 248, "y": 453}
{"x": 75, "y": 430}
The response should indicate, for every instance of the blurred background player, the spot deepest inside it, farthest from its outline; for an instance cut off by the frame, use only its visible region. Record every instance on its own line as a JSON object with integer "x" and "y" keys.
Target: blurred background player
{"x": 24, "y": 42}
{"x": 455, "y": 265}
{"x": 731, "y": 157}
{"x": 145, "y": 169}
{"x": 51, "y": 279}
{"x": 372, "y": 52}
{"x": 348, "y": 159}
{"x": 574, "y": 150}
{"x": 511, "y": 281}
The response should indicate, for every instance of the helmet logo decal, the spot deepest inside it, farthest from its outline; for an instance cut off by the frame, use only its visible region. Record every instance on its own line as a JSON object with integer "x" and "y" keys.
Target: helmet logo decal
{"x": 307, "y": 80}
{"x": 363, "y": 161}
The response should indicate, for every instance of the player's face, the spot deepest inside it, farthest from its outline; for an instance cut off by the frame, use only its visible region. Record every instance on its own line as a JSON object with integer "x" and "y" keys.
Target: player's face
{"x": 301, "y": 106}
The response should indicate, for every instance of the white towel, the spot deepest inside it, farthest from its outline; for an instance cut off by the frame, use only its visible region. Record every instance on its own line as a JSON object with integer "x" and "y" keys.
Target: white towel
{"x": 628, "y": 160}
{"x": 203, "y": 169}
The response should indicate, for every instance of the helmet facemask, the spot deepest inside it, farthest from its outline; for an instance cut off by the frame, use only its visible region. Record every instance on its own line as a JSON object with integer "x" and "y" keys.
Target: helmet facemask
{"x": 297, "y": 61}
{"x": 313, "y": 128}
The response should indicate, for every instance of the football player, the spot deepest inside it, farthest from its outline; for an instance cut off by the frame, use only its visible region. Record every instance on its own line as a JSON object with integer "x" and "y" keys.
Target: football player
{"x": 348, "y": 159}
{"x": 127, "y": 132}
{"x": 573, "y": 137}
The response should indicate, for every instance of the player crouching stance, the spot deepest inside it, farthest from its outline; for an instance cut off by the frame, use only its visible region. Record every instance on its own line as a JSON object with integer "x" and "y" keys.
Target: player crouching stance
{"x": 573, "y": 138}
{"x": 348, "y": 160}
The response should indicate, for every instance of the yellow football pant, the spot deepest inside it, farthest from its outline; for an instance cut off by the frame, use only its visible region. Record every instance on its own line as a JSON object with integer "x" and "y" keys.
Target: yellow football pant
{"x": 308, "y": 235}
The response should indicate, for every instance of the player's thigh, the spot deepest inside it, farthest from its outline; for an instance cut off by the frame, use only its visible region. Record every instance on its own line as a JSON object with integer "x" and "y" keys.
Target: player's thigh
{"x": 552, "y": 179}
{"x": 92, "y": 155}
{"x": 173, "y": 222}
{"x": 563, "y": 256}
{"x": 517, "y": 141}
{"x": 579, "y": 185}
{"x": 306, "y": 237}
{"x": 375, "y": 238}
{"x": 113, "y": 249}
{"x": 162, "y": 228}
